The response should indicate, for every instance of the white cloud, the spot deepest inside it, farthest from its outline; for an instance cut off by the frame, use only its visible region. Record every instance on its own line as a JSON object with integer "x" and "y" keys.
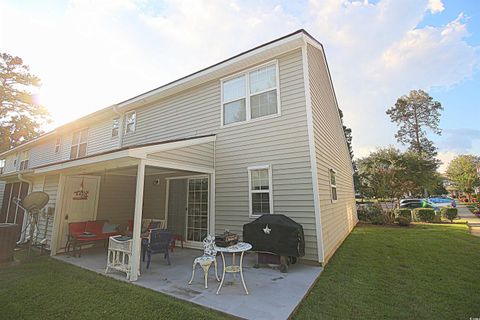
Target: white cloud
{"x": 107, "y": 51}
{"x": 446, "y": 157}
{"x": 435, "y": 6}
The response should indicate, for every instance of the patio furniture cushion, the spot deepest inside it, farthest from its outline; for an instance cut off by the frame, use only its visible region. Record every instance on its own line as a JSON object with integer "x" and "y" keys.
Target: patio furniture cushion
{"x": 86, "y": 232}
{"x": 110, "y": 227}
{"x": 76, "y": 228}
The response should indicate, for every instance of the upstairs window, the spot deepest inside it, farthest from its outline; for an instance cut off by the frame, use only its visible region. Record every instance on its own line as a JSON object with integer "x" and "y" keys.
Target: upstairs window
{"x": 260, "y": 190}
{"x": 115, "y": 127}
{"x": 58, "y": 143}
{"x": 79, "y": 144}
{"x": 234, "y": 100}
{"x": 333, "y": 185}
{"x": 24, "y": 157}
{"x": 130, "y": 121}
{"x": 250, "y": 95}
{"x": 2, "y": 165}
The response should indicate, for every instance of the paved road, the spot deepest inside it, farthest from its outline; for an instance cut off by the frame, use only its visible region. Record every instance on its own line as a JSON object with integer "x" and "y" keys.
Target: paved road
{"x": 465, "y": 214}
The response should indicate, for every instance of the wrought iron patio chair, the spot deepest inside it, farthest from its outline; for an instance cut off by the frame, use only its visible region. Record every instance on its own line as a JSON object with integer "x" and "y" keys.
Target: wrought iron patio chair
{"x": 205, "y": 261}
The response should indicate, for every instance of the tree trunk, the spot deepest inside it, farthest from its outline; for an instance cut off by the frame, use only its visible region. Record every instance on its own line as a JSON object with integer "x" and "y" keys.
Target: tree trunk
{"x": 417, "y": 134}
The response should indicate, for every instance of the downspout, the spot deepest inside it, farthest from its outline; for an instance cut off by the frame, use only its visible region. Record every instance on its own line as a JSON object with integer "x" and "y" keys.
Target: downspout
{"x": 120, "y": 125}
{"x": 25, "y": 214}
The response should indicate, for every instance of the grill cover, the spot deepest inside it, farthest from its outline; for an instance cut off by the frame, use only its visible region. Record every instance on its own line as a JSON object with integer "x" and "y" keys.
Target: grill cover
{"x": 277, "y": 234}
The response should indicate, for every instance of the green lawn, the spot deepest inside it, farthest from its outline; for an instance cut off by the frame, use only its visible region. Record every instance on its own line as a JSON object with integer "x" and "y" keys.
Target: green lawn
{"x": 44, "y": 288}
{"x": 423, "y": 272}
{"x": 419, "y": 272}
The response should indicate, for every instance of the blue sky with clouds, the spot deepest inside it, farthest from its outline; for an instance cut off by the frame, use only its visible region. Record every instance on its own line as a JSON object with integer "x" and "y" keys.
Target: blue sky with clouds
{"x": 91, "y": 54}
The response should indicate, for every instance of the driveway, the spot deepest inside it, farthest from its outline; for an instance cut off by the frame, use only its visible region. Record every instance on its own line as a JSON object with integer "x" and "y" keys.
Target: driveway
{"x": 472, "y": 220}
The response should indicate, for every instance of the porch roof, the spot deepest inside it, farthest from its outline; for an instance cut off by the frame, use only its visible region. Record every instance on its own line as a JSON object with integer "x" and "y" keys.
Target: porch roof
{"x": 126, "y": 155}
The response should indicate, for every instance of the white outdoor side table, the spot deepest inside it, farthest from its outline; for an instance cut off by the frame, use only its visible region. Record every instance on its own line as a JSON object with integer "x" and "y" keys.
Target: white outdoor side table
{"x": 240, "y": 247}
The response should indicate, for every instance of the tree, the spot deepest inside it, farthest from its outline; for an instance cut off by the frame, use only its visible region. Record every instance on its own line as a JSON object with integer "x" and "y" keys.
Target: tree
{"x": 413, "y": 114}
{"x": 381, "y": 173}
{"x": 388, "y": 173}
{"x": 462, "y": 171}
{"x": 348, "y": 134}
{"x": 21, "y": 117}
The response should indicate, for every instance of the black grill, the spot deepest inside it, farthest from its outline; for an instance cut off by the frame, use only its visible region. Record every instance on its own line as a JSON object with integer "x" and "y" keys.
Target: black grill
{"x": 277, "y": 234}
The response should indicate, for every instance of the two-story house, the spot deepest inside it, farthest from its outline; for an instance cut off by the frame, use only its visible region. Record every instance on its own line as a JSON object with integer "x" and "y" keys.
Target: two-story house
{"x": 259, "y": 133}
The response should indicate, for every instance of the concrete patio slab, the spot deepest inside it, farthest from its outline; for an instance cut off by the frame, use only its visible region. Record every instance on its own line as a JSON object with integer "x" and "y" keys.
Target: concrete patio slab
{"x": 273, "y": 295}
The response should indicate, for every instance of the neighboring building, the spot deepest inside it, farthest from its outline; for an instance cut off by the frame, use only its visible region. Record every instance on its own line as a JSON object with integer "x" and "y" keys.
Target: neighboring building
{"x": 255, "y": 134}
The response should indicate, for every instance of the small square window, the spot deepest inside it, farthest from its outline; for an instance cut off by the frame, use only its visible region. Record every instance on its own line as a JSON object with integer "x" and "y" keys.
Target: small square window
{"x": 260, "y": 190}
{"x": 130, "y": 121}
{"x": 58, "y": 142}
{"x": 78, "y": 148}
{"x": 333, "y": 185}
{"x": 115, "y": 127}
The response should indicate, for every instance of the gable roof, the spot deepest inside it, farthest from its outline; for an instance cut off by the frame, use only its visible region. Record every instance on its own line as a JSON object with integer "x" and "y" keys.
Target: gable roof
{"x": 215, "y": 71}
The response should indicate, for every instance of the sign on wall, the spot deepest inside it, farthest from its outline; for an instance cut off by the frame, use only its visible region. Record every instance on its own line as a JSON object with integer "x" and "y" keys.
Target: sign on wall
{"x": 81, "y": 193}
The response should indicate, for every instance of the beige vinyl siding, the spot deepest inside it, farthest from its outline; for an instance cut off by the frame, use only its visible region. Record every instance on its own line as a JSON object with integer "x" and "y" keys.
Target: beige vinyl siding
{"x": 281, "y": 142}
{"x": 199, "y": 155}
{"x": 187, "y": 114}
{"x": 116, "y": 201}
{"x": 44, "y": 153}
{"x": 49, "y": 185}
{"x": 10, "y": 164}
{"x": 100, "y": 137}
{"x": 337, "y": 217}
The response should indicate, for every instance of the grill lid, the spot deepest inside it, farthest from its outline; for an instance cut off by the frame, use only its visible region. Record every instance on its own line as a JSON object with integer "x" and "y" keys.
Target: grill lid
{"x": 275, "y": 233}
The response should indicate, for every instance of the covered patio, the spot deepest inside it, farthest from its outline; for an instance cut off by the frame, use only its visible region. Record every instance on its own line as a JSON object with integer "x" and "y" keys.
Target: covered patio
{"x": 272, "y": 294}
{"x": 173, "y": 182}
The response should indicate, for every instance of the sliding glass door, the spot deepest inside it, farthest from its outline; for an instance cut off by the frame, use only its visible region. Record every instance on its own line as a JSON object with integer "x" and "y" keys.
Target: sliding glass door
{"x": 197, "y": 209}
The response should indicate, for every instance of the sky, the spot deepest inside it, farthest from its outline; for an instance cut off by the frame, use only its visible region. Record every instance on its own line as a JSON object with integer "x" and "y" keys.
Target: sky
{"x": 92, "y": 54}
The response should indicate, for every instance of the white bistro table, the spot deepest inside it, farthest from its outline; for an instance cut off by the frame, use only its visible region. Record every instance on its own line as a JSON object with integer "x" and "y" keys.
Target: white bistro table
{"x": 240, "y": 247}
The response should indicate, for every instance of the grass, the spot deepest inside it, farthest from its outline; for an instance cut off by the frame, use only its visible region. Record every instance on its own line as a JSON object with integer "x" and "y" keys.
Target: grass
{"x": 420, "y": 272}
{"x": 44, "y": 288}
{"x": 424, "y": 271}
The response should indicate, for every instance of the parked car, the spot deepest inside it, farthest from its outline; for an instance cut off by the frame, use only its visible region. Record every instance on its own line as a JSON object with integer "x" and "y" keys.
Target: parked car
{"x": 417, "y": 203}
{"x": 441, "y": 201}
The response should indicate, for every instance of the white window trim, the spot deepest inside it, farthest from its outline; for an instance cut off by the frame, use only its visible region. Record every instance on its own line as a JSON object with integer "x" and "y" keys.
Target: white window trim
{"x": 24, "y": 160}
{"x": 118, "y": 128}
{"x": 78, "y": 144}
{"x": 246, "y": 73}
{"x": 134, "y": 123}
{"x": 250, "y": 191}
{"x": 57, "y": 146}
{"x": 332, "y": 185}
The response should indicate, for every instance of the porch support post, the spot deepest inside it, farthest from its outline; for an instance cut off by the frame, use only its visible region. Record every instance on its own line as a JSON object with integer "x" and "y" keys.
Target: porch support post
{"x": 137, "y": 221}
{"x": 57, "y": 216}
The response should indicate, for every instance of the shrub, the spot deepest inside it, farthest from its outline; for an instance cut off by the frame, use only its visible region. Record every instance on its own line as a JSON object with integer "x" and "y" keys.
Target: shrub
{"x": 403, "y": 216}
{"x": 450, "y": 213}
{"x": 424, "y": 214}
{"x": 371, "y": 213}
{"x": 362, "y": 214}
{"x": 375, "y": 214}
